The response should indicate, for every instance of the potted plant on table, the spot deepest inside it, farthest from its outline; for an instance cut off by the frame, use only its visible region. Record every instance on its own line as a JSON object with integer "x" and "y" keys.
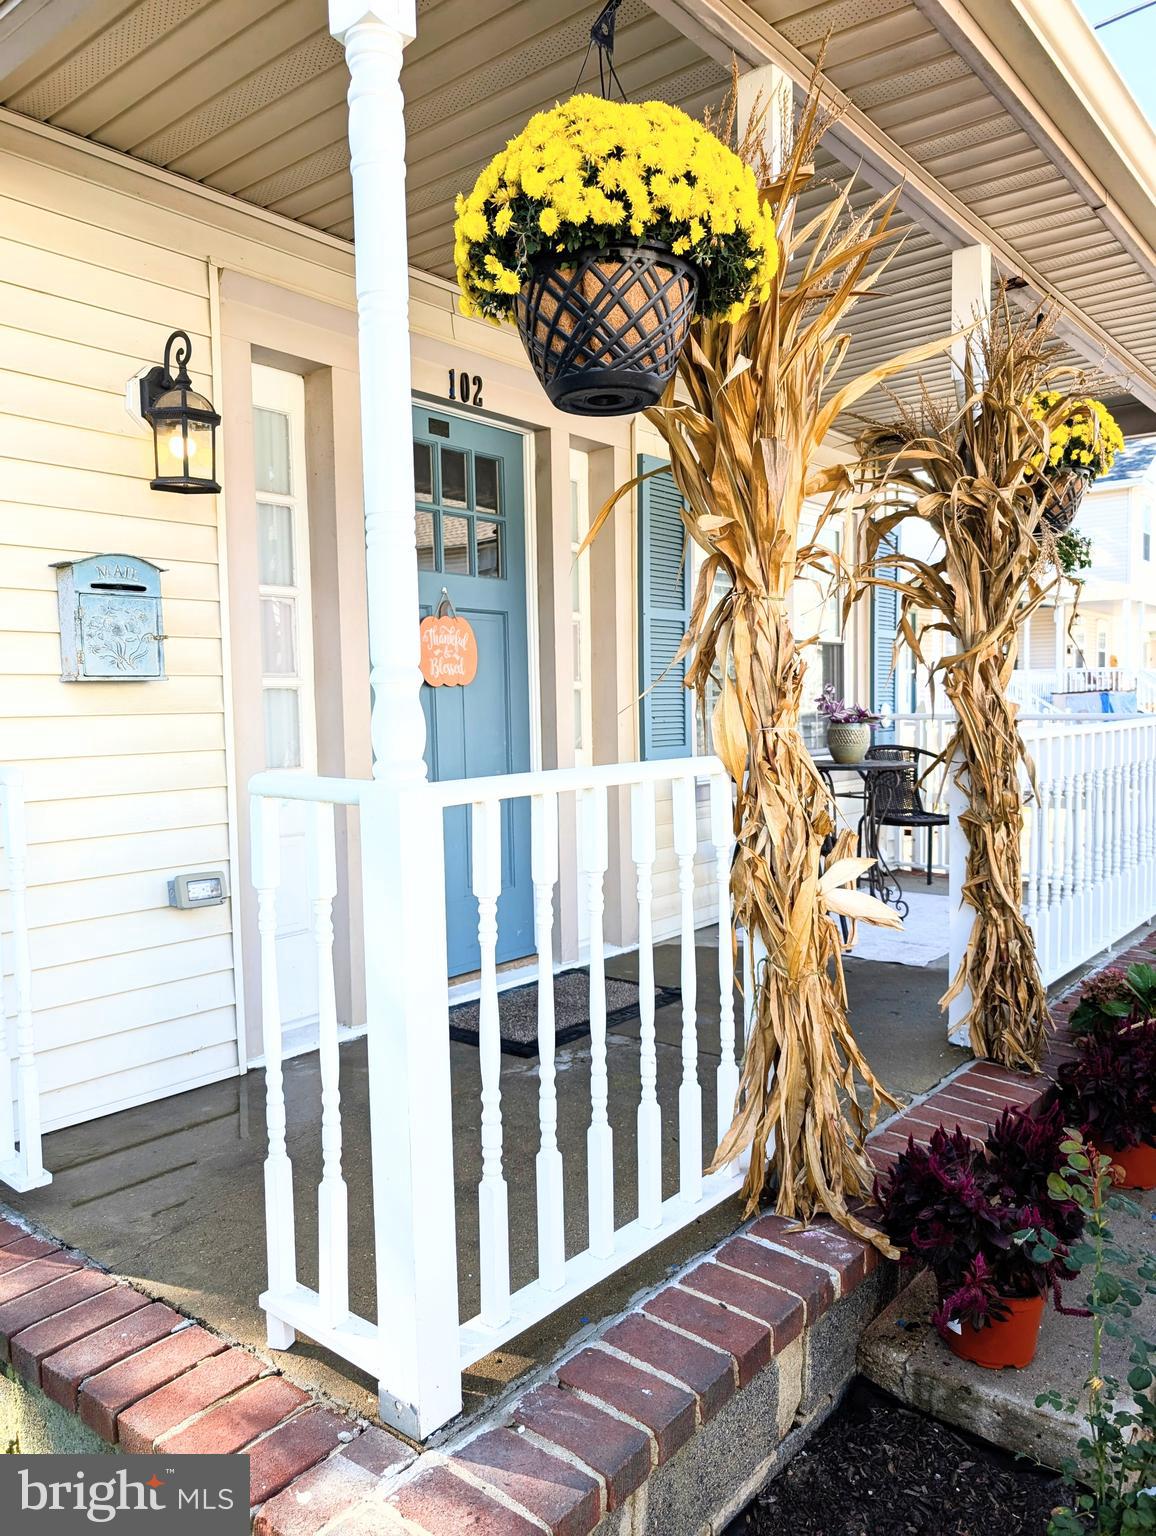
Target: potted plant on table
{"x": 985, "y": 1221}
{"x": 848, "y": 726}
{"x": 1109, "y": 1090}
{"x": 602, "y": 229}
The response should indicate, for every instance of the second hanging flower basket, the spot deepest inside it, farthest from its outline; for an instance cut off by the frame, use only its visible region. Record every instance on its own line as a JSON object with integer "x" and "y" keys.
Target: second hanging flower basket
{"x": 601, "y": 230}
{"x": 1083, "y": 440}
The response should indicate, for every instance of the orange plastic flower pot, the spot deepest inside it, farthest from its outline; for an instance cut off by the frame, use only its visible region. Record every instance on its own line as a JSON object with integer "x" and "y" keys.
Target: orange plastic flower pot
{"x": 1138, "y": 1164}
{"x": 1009, "y": 1342}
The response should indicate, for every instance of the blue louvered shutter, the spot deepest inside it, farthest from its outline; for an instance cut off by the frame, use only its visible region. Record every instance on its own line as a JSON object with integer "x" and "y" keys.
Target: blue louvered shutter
{"x": 884, "y": 627}
{"x": 667, "y": 712}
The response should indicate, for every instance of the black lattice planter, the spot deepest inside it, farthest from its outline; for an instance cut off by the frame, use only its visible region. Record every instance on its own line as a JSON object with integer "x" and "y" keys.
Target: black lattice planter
{"x": 604, "y": 328}
{"x": 1064, "y": 501}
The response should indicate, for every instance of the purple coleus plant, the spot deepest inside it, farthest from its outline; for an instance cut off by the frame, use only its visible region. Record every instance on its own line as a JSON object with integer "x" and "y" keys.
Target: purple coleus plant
{"x": 982, "y": 1217}
{"x": 839, "y": 712}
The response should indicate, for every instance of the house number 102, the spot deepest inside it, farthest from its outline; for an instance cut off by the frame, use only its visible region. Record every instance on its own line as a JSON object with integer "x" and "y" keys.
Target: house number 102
{"x": 466, "y": 389}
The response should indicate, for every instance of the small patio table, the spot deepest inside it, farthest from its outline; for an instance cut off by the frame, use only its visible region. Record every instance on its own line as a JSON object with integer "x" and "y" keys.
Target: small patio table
{"x": 882, "y": 880}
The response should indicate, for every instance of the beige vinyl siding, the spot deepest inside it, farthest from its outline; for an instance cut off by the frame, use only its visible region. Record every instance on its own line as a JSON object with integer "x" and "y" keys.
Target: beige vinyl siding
{"x": 127, "y": 783}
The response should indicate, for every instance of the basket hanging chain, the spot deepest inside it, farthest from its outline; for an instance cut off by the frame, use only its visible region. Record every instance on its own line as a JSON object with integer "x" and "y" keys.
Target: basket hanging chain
{"x": 602, "y": 38}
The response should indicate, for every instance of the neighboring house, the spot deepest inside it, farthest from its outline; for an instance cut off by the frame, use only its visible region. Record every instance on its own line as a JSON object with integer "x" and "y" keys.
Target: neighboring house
{"x": 1115, "y": 622}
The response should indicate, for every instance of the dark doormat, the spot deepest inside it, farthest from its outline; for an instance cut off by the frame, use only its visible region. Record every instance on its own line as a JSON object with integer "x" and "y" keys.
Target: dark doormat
{"x": 518, "y": 1011}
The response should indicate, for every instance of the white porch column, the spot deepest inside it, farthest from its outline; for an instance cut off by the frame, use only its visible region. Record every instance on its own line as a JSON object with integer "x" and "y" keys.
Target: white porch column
{"x": 970, "y": 301}
{"x": 970, "y": 295}
{"x": 777, "y": 92}
{"x": 418, "y": 1369}
{"x": 374, "y": 35}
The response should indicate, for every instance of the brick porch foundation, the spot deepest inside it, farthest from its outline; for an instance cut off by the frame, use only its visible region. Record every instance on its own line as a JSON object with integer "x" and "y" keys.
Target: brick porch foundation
{"x": 666, "y": 1422}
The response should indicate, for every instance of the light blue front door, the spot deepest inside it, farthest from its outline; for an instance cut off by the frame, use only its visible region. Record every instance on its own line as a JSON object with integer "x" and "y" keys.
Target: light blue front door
{"x": 471, "y": 545}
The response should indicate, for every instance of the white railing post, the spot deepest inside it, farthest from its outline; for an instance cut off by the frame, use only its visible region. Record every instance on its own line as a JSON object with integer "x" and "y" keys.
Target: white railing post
{"x": 644, "y": 848}
{"x": 722, "y": 837}
{"x": 593, "y": 856}
{"x": 25, "y": 1170}
{"x": 280, "y": 1228}
{"x": 960, "y": 917}
{"x": 685, "y": 813}
{"x": 548, "y": 1166}
{"x": 411, "y": 1128}
{"x": 332, "y": 1195}
{"x": 493, "y": 1202}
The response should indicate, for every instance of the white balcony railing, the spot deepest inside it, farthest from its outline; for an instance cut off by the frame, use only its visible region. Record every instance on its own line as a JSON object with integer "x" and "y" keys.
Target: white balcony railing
{"x": 1033, "y": 688}
{"x": 414, "y": 1345}
{"x": 21, "y": 1166}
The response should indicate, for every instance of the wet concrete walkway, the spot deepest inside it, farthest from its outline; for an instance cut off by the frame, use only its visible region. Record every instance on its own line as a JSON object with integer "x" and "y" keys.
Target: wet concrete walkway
{"x": 170, "y": 1194}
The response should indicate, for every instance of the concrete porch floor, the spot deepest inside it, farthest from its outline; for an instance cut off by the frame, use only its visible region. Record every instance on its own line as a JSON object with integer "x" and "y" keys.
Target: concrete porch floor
{"x": 170, "y": 1194}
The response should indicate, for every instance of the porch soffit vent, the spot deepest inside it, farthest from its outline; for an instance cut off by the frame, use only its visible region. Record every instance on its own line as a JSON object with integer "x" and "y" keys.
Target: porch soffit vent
{"x": 909, "y": 82}
{"x": 109, "y": 51}
{"x": 282, "y": 77}
{"x": 815, "y": 21}
{"x": 330, "y": 161}
{"x": 549, "y": 49}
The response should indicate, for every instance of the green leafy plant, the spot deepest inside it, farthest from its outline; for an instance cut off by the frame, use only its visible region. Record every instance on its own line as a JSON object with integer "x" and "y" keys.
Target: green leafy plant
{"x": 1073, "y": 552}
{"x": 1113, "y": 999}
{"x": 1113, "y": 1483}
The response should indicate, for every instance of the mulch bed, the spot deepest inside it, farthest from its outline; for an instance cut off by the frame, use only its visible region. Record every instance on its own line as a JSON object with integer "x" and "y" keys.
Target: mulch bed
{"x": 877, "y": 1468}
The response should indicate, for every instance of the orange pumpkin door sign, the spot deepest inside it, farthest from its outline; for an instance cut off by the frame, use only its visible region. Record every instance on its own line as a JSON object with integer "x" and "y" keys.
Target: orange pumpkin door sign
{"x": 449, "y": 648}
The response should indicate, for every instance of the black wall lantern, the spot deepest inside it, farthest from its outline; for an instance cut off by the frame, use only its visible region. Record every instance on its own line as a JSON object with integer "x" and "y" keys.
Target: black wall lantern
{"x": 184, "y": 425}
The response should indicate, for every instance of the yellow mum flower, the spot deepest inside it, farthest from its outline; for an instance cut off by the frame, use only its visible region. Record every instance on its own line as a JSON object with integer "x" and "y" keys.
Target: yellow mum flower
{"x": 589, "y": 173}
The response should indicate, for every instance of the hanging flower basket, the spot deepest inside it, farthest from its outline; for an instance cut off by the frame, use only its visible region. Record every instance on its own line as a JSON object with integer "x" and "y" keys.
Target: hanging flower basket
{"x": 1081, "y": 443}
{"x": 1063, "y": 502}
{"x": 601, "y": 230}
{"x": 603, "y": 328}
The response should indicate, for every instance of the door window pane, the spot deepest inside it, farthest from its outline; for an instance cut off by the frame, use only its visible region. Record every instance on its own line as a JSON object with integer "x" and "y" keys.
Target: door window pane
{"x": 489, "y": 536}
{"x": 271, "y": 451}
{"x": 276, "y": 565}
{"x": 282, "y": 728}
{"x": 486, "y": 485}
{"x": 456, "y": 545}
{"x": 279, "y": 637}
{"x": 454, "y": 492}
{"x": 423, "y": 471}
{"x": 427, "y": 555}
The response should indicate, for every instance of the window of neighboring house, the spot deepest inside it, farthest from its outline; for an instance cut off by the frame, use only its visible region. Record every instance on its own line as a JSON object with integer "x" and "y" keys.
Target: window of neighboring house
{"x": 580, "y": 608}
{"x": 1101, "y": 645}
{"x": 1146, "y": 537}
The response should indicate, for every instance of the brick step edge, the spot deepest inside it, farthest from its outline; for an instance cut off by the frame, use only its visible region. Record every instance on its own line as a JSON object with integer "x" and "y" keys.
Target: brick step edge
{"x": 562, "y": 1455}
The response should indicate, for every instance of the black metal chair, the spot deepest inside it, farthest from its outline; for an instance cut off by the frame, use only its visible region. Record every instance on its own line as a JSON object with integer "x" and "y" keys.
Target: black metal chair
{"x": 828, "y": 848}
{"x": 894, "y": 799}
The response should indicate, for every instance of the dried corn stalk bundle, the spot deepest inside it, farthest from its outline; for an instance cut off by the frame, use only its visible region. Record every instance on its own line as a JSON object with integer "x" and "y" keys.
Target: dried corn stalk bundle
{"x": 969, "y": 471}
{"x": 754, "y": 401}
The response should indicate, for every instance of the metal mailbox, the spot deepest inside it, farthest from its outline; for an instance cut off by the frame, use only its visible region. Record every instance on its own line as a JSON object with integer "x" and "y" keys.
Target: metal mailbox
{"x": 110, "y": 619}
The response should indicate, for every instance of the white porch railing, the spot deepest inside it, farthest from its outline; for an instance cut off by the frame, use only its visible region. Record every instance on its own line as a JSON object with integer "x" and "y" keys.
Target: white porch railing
{"x": 1089, "y": 838}
{"x": 21, "y": 1166}
{"x": 415, "y": 1347}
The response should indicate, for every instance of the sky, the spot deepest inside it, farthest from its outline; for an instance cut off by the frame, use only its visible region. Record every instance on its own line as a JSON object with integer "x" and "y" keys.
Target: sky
{"x": 1130, "y": 43}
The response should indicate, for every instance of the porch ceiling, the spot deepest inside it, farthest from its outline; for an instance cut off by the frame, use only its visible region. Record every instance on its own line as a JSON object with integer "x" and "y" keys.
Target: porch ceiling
{"x": 248, "y": 97}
